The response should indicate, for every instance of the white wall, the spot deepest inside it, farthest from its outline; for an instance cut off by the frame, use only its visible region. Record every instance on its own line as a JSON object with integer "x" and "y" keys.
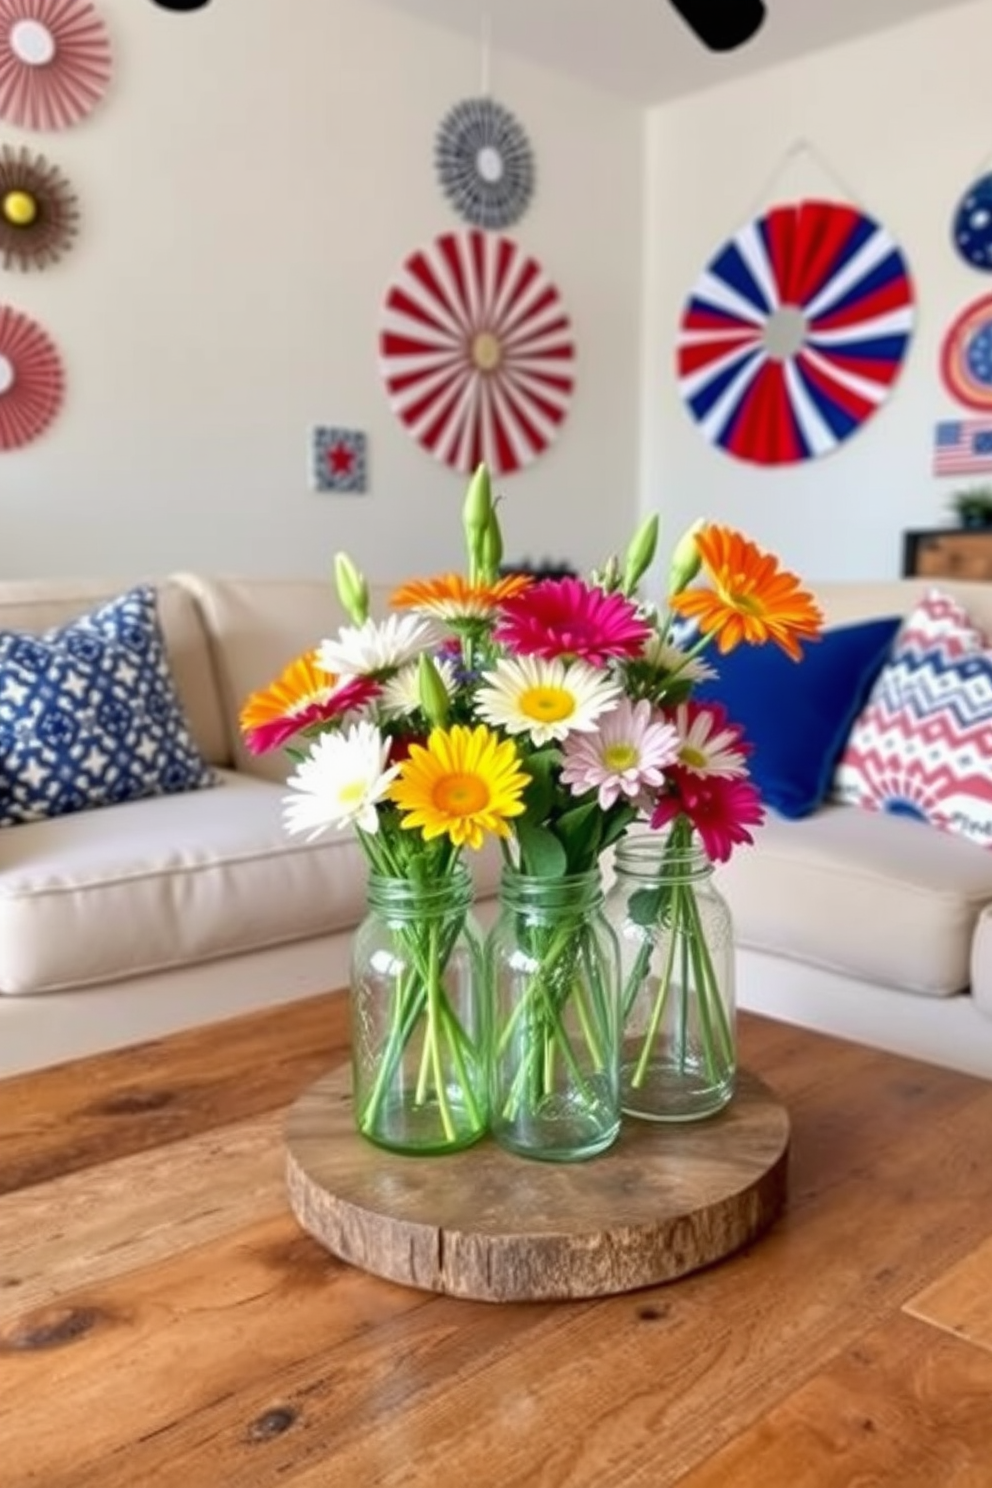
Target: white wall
{"x": 903, "y": 120}
{"x": 250, "y": 184}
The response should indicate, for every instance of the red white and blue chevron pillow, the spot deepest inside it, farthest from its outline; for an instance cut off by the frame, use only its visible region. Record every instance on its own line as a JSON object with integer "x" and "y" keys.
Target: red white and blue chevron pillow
{"x": 922, "y": 744}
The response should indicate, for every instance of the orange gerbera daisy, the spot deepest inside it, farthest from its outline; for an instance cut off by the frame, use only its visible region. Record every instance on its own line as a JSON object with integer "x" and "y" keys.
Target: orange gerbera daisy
{"x": 453, "y": 597}
{"x": 303, "y": 694}
{"x": 752, "y": 599}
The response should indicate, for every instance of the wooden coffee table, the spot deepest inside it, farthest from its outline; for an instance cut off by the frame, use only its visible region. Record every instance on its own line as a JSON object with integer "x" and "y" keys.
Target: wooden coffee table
{"x": 164, "y": 1321}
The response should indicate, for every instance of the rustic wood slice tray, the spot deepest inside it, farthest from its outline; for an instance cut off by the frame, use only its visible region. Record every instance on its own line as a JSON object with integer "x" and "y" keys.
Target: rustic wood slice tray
{"x": 661, "y": 1202}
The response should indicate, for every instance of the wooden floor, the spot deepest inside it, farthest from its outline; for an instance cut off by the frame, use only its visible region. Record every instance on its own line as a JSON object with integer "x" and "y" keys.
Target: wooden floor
{"x": 163, "y": 1320}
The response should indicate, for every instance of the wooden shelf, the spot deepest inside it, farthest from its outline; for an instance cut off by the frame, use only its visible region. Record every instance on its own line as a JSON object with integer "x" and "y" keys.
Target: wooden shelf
{"x": 663, "y": 1201}
{"x": 948, "y": 553}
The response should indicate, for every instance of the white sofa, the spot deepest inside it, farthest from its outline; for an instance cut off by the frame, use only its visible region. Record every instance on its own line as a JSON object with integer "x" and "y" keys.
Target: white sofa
{"x": 874, "y": 927}
{"x": 132, "y": 920}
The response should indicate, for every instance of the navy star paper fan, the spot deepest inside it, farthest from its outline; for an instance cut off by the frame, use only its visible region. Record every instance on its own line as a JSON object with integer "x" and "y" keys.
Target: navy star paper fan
{"x": 795, "y": 333}
{"x": 972, "y": 227}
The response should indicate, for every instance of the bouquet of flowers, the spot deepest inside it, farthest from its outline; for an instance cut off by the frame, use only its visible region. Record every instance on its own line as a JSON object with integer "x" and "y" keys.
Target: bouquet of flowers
{"x": 553, "y": 714}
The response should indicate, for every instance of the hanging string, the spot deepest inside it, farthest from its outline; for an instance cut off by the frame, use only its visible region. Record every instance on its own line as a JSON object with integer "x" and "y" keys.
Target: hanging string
{"x": 799, "y": 149}
{"x": 486, "y": 87}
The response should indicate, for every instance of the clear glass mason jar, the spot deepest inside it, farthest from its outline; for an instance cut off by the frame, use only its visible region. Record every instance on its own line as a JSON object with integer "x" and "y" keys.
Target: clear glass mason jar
{"x": 552, "y": 961}
{"x": 418, "y": 1016}
{"x": 679, "y": 1048}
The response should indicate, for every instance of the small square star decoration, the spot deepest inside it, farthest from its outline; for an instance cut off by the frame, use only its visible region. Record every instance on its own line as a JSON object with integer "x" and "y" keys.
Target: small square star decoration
{"x": 339, "y": 460}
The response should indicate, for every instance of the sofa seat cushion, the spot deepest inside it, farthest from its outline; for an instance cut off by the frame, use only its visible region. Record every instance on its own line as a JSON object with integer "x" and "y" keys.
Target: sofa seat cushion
{"x": 150, "y": 885}
{"x": 881, "y": 898}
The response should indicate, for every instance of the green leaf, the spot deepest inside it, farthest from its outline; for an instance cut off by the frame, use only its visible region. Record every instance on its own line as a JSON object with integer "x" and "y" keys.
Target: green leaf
{"x": 542, "y": 855}
{"x": 579, "y": 830}
{"x": 616, "y": 824}
{"x": 647, "y": 906}
{"x": 539, "y": 795}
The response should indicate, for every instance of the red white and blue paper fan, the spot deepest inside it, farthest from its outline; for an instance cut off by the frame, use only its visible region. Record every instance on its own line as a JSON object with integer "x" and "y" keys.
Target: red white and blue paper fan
{"x": 795, "y": 332}
{"x": 476, "y": 352}
{"x": 966, "y": 355}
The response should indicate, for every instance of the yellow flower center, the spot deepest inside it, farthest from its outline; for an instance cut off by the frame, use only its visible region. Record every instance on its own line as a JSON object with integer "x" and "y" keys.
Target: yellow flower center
{"x": 618, "y": 757}
{"x": 547, "y": 704}
{"x": 694, "y": 758}
{"x": 352, "y": 792}
{"x": 460, "y": 794}
{"x": 737, "y": 599}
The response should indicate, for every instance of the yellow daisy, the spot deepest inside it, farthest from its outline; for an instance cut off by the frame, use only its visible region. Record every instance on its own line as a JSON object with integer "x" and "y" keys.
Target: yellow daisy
{"x": 465, "y": 782}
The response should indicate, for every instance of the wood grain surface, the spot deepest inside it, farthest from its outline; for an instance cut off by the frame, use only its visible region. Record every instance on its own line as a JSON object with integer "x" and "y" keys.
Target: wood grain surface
{"x": 166, "y": 1323}
{"x": 484, "y": 1224}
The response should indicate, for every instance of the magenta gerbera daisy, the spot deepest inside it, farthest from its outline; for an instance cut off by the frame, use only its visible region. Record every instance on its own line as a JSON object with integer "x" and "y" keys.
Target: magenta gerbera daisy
{"x": 720, "y": 810}
{"x": 626, "y": 755}
{"x": 568, "y": 618}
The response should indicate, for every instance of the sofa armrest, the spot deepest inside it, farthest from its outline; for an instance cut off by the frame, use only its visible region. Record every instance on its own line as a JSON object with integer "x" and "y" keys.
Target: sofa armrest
{"x": 981, "y": 962}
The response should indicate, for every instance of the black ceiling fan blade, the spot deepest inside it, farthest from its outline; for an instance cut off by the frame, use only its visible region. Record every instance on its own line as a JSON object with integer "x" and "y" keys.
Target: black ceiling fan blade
{"x": 721, "y": 24}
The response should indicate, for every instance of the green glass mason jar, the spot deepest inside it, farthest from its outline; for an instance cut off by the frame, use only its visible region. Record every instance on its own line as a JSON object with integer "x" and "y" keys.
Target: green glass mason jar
{"x": 553, "y": 968}
{"x": 418, "y": 1016}
{"x": 679, "y": 1049}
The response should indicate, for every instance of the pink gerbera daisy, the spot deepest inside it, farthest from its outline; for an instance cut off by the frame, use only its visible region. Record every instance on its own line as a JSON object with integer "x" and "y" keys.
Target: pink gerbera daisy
{"x": 720, "y": 810}
{"x": 627, "y": 754}
{"x": 569, "y": 618}
{"x": 303, "y": 695}
{"x": 708, "y": 744}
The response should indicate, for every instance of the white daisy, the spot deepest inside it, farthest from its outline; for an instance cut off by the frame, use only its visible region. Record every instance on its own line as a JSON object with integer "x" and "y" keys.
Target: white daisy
{"x": 401, "y": 694}
{"x": 677, "y": 664}
{"x": 340, "y": 781}
{"x": 377, "y": 646}
{"x": 706, "y": 747}
{"x": 545, "y": 698}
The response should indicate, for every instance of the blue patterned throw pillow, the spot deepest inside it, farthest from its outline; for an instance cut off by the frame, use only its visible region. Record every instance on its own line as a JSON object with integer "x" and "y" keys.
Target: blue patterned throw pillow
{"x": 89, "y": 715}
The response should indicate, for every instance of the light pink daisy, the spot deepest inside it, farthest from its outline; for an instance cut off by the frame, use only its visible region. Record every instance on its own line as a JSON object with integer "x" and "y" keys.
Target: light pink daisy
{"x": 708, "y": 745}
{"x": 627, "y": 754}
{"x": 569, "y": 618}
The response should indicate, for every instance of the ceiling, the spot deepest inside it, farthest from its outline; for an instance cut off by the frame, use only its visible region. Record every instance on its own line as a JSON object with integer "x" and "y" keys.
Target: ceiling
{"x": 642, "y": 49}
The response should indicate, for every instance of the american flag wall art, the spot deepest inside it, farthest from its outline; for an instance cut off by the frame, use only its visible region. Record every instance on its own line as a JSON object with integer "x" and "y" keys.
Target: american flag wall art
{"x": 962, "y": 447}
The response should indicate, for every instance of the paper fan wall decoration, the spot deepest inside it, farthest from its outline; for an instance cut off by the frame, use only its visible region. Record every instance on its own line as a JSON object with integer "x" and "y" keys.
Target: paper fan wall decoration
{"x": 54, "y": 62}
{"x": 484, "y": 163}
{"x": 972, "y": 225}
{"x": 38, "y": 212}
{"x": 31, "y": 379}
{"x": 966, "y": 355}
{"x": 476, "y": 352}
{"x": 795, "y": 333}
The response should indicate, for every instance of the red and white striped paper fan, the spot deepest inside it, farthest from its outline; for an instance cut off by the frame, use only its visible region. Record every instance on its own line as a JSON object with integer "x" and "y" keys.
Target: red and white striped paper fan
{"x": 31, "y": 379}
{"x": 476, "y": 352}
{"x": 54, "y": 62}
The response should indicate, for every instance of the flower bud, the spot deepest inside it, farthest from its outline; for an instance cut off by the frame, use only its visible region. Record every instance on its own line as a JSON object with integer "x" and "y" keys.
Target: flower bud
{"x": 433, "y": 693}
{"x": 640, "y": 554}
{"x": 492, "y": 547}
{"x": 476, "y": 512}
{"x": 685, "y": 560}
{"x": 353, "y": 591}
{"x": 607, "y": 578}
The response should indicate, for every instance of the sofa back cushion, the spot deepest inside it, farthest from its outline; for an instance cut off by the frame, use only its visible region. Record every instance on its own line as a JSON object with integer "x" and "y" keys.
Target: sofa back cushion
{"x": 257, "y": 626}
{"x": 35, "y": 606}
{"x": 843, "y": 602}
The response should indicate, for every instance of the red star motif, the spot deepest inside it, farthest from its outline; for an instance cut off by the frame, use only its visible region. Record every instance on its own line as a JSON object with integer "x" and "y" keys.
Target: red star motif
{"x": 340, "y": 459}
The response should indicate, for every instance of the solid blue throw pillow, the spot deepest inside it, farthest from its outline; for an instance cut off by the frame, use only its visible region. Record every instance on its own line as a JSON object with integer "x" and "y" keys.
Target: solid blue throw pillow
{"x": 797, "y": 714}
